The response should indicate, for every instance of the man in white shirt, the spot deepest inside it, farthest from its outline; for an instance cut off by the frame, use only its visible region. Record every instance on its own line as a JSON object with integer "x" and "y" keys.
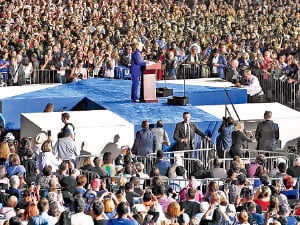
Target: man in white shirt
{"x": 80, "y": 218}
{"x": 254, "y": 90}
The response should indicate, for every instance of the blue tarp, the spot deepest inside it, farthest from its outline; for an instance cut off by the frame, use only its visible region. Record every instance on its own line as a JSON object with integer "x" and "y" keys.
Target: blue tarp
{"x": 114, "y": 95}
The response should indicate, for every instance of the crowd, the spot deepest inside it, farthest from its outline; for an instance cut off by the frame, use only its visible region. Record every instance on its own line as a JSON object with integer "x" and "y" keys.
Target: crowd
{"x": 40, "y": 181}
{"x": 42, "y": 184}
{"x": 80, "y": 39}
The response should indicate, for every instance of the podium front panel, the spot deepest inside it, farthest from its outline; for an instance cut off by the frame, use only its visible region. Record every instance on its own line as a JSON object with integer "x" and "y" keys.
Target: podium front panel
{"x": 149, "y": 86}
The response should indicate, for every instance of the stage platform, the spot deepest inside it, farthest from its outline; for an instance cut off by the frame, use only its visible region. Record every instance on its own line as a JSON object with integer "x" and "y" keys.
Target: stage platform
{"x": 6, "y": 92}
{"x": 96, "y": 128}
{"x": 114, "y": 95}
{"x": 287, "y": 119}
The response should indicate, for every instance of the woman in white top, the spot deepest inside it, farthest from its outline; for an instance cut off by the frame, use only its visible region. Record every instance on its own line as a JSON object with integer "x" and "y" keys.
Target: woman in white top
{"x": 46, "y": 157}
{"x": 78, "y": 72}
{"x": 110, "y": 63}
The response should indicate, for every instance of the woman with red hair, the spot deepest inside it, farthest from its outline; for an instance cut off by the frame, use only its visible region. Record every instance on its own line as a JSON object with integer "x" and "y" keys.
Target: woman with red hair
{"x": 289, "y": 192}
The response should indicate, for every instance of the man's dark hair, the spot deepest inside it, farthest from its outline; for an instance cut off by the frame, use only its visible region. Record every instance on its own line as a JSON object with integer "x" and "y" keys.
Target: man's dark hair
{"x": 29, "y": 153}
{"x": 145, "y": 124}
{"x": 160, "y": 123}
{"x": 160, "y": 190}
{"x": 14, "y": 221}
{"x": 98, "y": 208}
{"x": 267, "y": 114}
{"x": 107, "y": 158}
{"x": 147, "y": 196}
{"x": 43, "y": 205}
{"x": 47, "y": 170}
{"x": 122, "y": 209}
{"x": 241, "y": 179}
{"x": 96, "y": 161}
{"x": 230, "y": 121}
{"x": 186, "y": 113}
{"x": 127, "y": 159}
{"x": 129, "y": 186}
{"x": 282, "y": 167}
{"x": 160, "y": 154}
{"x": 79, "y": 204}
{"x": 180, "y": 171}
{"x": 217, "y": 163}
{"x": 65, "y": 116}
{"x": 264, "y": 179}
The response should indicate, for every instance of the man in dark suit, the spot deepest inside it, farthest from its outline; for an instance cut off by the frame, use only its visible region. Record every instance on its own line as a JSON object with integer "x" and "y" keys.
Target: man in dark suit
{"x": 16, "y": 74}
{"x": 125, "y": 59}
{"x": 184, "y": 133}
{"x": 267, "y": 133}
{"x": 145, "y": 141}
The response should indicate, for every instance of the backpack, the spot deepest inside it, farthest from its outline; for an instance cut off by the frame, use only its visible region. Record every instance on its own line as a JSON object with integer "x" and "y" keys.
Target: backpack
{"x": 65, "y": 218}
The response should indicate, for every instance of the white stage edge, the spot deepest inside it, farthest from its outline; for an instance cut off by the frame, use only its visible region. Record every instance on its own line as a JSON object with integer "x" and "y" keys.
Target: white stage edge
{"x": 287, "y": 119}
{"x": 96, "y": 128}
{"x": 6, "y": 92}
{"x": 209, "y": 82}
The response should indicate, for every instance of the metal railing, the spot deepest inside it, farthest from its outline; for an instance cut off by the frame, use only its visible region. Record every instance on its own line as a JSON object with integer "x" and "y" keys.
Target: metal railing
{"x": 45, "y": 77}
{"x": 280, "y": 90}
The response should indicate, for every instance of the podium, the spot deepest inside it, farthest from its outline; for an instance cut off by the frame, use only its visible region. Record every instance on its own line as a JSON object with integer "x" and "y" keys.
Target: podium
{"x": 148, "y": 85}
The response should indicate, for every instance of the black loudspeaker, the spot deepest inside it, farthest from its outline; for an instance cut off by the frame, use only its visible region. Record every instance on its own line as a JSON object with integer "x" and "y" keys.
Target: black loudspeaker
{"x": 164, "y": 92}
{"x": 178, "y": 100}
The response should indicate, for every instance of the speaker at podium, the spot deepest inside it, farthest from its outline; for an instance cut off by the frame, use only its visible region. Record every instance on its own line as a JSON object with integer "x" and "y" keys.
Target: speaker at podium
{"x": 148, "y": 82}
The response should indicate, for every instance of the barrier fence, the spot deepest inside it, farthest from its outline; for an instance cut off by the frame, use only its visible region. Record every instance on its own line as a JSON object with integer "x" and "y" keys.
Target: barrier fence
{"x": 187, "y": 158}
{"x": 280, "y": 90}
{"x": 45, "y": 77}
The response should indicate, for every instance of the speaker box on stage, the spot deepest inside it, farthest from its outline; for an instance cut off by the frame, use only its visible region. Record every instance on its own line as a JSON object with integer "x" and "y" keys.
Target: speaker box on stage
{"x": 178, "y": 100}
{"x": 164, "y": 92}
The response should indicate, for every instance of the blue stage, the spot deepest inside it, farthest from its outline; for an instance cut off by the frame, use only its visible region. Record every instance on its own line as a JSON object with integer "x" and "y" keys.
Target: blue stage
{"x": 114, "y": 95}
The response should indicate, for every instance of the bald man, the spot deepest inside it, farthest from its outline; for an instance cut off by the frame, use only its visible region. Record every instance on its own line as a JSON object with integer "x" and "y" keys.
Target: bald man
{"x": 232, "y": 74}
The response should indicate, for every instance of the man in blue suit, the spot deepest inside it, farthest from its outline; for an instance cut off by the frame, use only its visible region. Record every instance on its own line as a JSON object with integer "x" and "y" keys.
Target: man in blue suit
{"x": 218, "y": 64}
{"x": 145, "y": 141}
{"x": 136, "y": 68}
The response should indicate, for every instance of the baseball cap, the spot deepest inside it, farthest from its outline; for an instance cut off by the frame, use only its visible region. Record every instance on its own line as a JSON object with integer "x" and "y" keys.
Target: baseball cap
{"x": 9, "y": 137}
{"x": 283, "y": 209}
{"x": 41, "y": 138}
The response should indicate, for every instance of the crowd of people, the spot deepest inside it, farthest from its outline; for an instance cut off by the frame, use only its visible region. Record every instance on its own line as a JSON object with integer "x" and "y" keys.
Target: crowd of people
{"x": 41, "y": 183}
{"x": 81, "y": 39}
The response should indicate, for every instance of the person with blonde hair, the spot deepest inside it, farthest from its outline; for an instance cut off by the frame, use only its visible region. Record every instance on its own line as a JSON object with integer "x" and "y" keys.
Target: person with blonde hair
{"x": 46, "y": 157}
{"x": 109, "y": 208}
{"x": 4, "y": 153}
{"x": 9, "y": 210}
{"x": 15, "y": 166}
{"x": 238, "y": 138}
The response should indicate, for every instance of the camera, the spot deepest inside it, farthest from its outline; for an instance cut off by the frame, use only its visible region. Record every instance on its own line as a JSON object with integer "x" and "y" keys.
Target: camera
{"x": 80, "y": 76}
{"x": 106, "y": 55}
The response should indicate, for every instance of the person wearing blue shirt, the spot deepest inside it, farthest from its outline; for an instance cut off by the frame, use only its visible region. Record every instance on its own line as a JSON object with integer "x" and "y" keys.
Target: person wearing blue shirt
{"x": 145, "y": 141}
{"x": 162, "y": 165}
{"x": 14, "y": 166}
{"x": 4, "y": 63}
{"x": 255, "y": 218}
{"x": 224, "y": 140}
{"x": 136, "y": 68}
{"x": 123, "y": 217}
